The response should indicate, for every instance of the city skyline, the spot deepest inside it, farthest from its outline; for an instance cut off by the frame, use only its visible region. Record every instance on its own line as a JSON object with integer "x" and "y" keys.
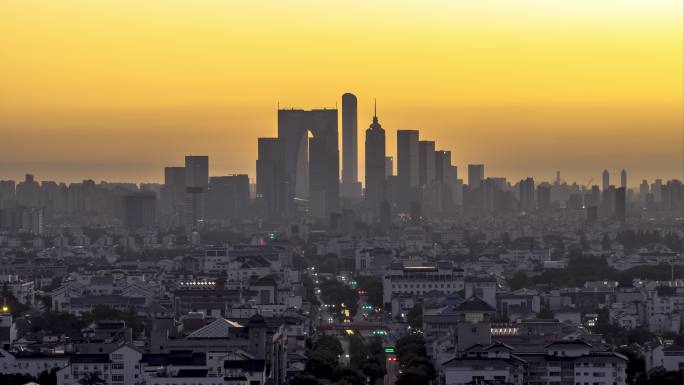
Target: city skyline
{"x": 510, "y": 86}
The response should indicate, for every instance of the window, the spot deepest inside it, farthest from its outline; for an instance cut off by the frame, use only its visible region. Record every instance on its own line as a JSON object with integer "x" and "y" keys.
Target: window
{"x": 117, "y": 377}
{"x": 117, "y": 357}
{"x": 117, "y": 366}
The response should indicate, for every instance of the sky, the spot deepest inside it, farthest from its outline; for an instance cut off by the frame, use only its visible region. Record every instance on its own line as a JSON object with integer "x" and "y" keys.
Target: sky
{"x": 116, "y": 90}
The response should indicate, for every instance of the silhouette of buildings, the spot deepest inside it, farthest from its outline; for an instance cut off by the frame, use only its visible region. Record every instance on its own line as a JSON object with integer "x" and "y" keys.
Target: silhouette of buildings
{"x": 376, "y": 172}
{"x": 351, "y": 187}
{"x": 408, "y": 167}
{"x": 310, "y": 164}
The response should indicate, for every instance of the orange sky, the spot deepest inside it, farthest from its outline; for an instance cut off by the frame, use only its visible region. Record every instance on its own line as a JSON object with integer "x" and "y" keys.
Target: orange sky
{"x": 117, "y": 90}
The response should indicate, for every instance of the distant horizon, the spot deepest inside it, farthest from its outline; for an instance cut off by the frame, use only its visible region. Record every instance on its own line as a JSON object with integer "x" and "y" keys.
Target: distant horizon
{"x": 526, "y": 87}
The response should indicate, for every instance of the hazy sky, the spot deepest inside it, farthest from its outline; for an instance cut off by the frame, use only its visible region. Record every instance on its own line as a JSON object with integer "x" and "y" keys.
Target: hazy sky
{"x": 118, "y": 89}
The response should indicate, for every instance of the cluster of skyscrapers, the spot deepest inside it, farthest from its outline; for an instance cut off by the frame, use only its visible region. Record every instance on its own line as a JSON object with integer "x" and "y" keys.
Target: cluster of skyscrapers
{"x": 298, "y": 173}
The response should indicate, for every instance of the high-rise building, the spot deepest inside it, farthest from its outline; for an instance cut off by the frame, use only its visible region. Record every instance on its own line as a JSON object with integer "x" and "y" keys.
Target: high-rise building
{"x": 475, "y": 175}
{"x": 442, "y": 165}
{"x": 228, "y": 197}
{"x": 271, "y": 188}
{"x": 389, "y": 166}
{"x": 426, "y": 162}
{"x": 139, "y": 210}
{"x": 606, "y": 180}
{"x": 527, "y": 203}
{"x": 376, "y": 171}
{"x": 196, "y": 171}
{"x": 351, "y": 187}
{"x": 657, "y": 190}
{"x": 544, "y": 197}
{"x": 315, "y": 178}
{"x": 196, "y": 182}
{"x": 623, "y": 178}
{"x": 644, "y": 190}
{"x": 173, "y": 194}
{"x": 7, "y": 192}
{"x": 407, "y": 167}
{"x": 621, "y": 203}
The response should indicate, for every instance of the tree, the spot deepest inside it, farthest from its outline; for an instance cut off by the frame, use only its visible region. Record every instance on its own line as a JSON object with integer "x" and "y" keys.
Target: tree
{"x": 415, "y": 316}
{"x": 413, "y": 376}
{"x": 374, "y": 369}
{"x": 92, "y": 378}
{"x": 519, "y": 280}
{"x": 304, "y": 379}
{"x": 373, "y": 288}
{"x": 321, "y": 364}
{"x": 349, "y": 376}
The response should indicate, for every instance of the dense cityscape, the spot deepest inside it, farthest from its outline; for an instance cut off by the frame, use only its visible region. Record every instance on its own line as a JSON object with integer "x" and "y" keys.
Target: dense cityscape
{"x": 424, "y": 272}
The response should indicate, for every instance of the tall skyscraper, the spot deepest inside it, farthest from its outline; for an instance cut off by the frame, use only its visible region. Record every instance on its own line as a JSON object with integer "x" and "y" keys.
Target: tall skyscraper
{"x": 527, "y": 202}
{"x": 316, "y": 178}
{"x": 376, "y": 173}
{"x": 407, "y": 167}
{"x": 173, "y": 195}
{"x": 426, "y": 162}
{"x": 544, "y": 197}
{"x": 623, "y": 178}
{"x": 389, "y": 166}
{"x": 621, "y": 203}
{"x": 196, "y": 171}
{"x": 196, "y": 182}
{"x": 271, "y": 189}
{"x": 606, "y": 180}
{"x": 475, "y": 175}
{"x": 351, "y": 188}
{"x": 644, "y": 190}
{"x": 442, "y": 164}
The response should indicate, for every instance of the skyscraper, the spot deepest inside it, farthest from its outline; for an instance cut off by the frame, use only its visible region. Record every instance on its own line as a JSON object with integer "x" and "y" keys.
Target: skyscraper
{"x": 376, "y": 173}
{"x": 606, "y": 180}
{"x": 527, "y": 195}
{"x": 475, "y": 175}
{"x": 196, "y": 182}
{"x": 351, "y": 187}
{"x": 173, "y": 194}
{"x": 426, "y": 162}
{"x": 623, "y": 178}
{"x": 621, "y": 203}
{"x": 315, "y": 178}
{"x": 196, "y": 171}
{"x": 389, "y": 166}
{"x": 271, "y": 189}
{"x": 407, "y": 166}
{"x": 442, "y": 164}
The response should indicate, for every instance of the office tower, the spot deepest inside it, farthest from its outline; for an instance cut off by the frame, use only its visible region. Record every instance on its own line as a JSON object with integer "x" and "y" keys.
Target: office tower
{"x": 558, "y": 178}
{"x": 196, "y": 171}
{"x": 606, "y": 180}
{"x": 644, "y": 190}
{"x": 621, "y": 203}
{"x": 543, "y": 197}
{"x": 475, "y": 175}
{"x": 389, "y": 166}
{"x": 351, "y": 187}
{"x": 442, "y": 165}
{"x": 594, "y": 197}
{"x": 657, "y": 190}
{"x": 426, "y": 162}
{"x": 314, "y": 178}
{"x": 196, "y": 182}
{"x": 228, "y": 197}
{"x": 527, "y": 195}
{"x": 271, "y": 190}
{"x": 623, "y": 178}
{"x": 7, "y": 192}
{"x": 376, "y": 172}
{"x": 608, "y": 201}
{"x": 28, "y": 192}
{"x": 672, "y": 195}
{"x": 407, "y": 167}
{"x": 139, "y": 210}
{"x": 173, "y": 194}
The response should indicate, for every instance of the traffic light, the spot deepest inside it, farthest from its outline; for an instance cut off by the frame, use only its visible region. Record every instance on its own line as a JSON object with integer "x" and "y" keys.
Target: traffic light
{"x": 389, "y": 349}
